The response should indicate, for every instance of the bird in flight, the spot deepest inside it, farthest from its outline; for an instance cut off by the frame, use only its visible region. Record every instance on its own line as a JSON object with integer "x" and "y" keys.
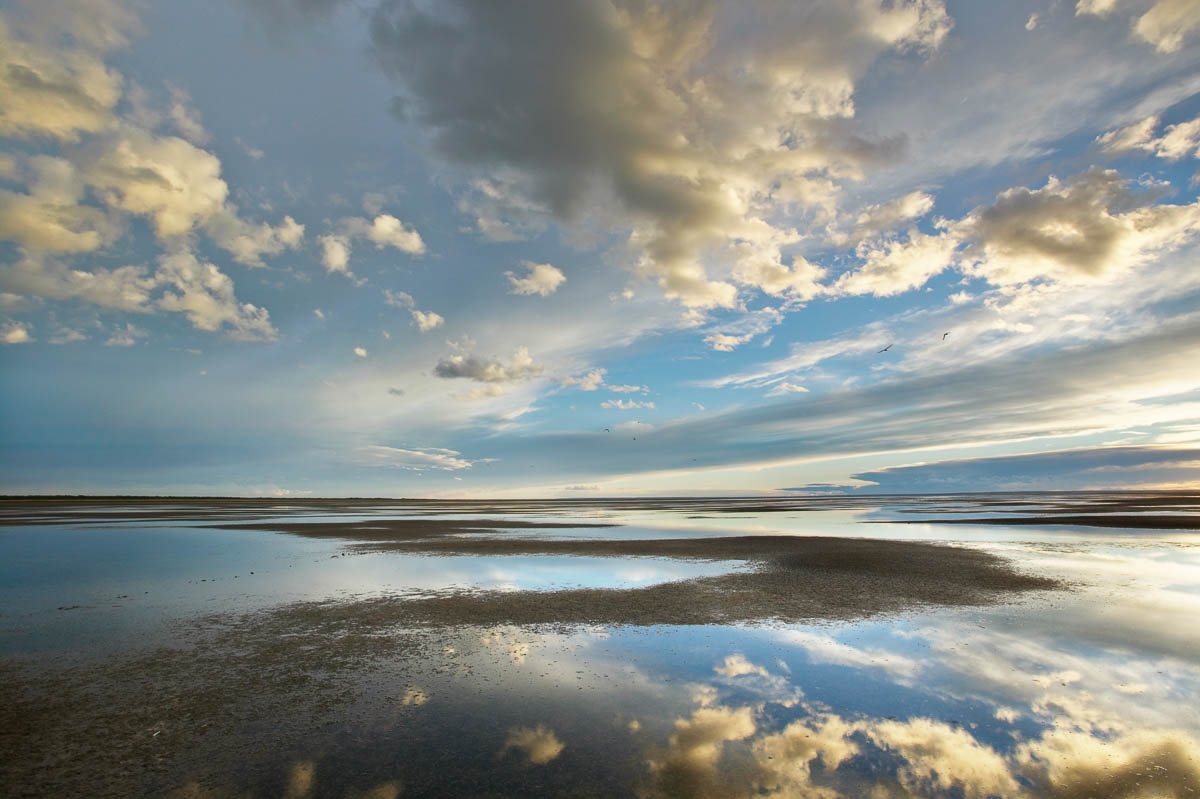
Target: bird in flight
{"x": 607, "y": 430}
{"x": 944, "y": 336}
{"x": 885, "y": 349}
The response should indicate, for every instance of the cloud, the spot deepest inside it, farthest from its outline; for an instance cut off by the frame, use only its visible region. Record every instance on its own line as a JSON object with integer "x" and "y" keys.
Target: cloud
{"x": 722, "y": 342}
{"x": 1168, "y": 23}
{"x": 396, "y": 392}
{"x": 689, "y": 766}
{"x": 248, "y": 243}
{"x": 827, "y": 649}
{"x": 165, "y": 178}
{"x": 1177, "y": 141}
{"x": 737, "y": 665}
{"x": 15, "y": 333}
{"x": 876, "y": 219}
{"x": 484, "y": 370}
{"x": 1165, "y": 24}
{"x": 780, "y": 389}
{"x": 50, "y": 217}
{"x": 335, "y": 254}
{"x": 538, "y": 744}
{"x": 625, "y": 405}
{"x": 593, "y": 380}
{"x": 204, "y": 294}
{"x": 317, "y": 312}
{"x": 702, "y": 131}
{"x": 386, "y": 230}
{"x": 893, "y": 267}
{"x": 59, "y": 90}
{"x": 125, "y": 336}
{"x": 186, "y": 119}
{"x": 398, "y": 299}
{"x": 541, "y": 279}
{"x": 418, "y": 459}
{"x": 360, "y": 352}
{"x": 943, "y": 756}
{"x": 427, "y": 320}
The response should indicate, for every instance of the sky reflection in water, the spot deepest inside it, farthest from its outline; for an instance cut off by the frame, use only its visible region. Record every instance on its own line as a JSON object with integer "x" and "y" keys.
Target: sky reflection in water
{"x": 1083, "y": 693}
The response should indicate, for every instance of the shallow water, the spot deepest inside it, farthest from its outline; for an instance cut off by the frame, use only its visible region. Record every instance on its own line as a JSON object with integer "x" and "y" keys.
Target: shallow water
{"x": 170, "y": 669}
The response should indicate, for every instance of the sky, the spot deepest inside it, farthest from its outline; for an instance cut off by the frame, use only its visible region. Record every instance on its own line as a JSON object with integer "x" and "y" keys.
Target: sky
{"x": 472, "y": 248}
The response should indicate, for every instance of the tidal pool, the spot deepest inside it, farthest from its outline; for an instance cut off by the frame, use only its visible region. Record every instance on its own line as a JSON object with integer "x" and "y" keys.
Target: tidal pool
{"x": 807, "y": 647}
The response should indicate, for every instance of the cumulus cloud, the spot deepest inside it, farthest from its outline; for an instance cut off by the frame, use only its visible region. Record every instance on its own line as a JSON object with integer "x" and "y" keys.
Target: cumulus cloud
{"x": 625, "y": 405}
{"x": 723, "y": 342}
{"x": 386, "y": 230}
{"x": 1177, "y": 141}
{"x": 125, "y": 336}
{"x": 427, "y": 320}
{"x": 248, "y": 243}
{"x": 538, "y": 744}
{"x": 58, "y": 90}
{"x": 876, "y": 219}
{"x": 541, "y": 279}
{"x": 417, "y": 459}
{"x": 689, "y": 766}
{"x": 335, "y": 254}
{"x": 893, "y": 267}
{"x": 50, "y": 217}
{"x": 1165, "y": 24}
{"x": 701, "y": 130}
{"x": 1085, "y": 228}
{"x": 593, "y": 380}
{"x": 204, "y": 294}
{"x": 485, "y": 370}
{"x": 15, "y": 333}
{"x": 737, "y": 665}
{"x": 383, "y": 231}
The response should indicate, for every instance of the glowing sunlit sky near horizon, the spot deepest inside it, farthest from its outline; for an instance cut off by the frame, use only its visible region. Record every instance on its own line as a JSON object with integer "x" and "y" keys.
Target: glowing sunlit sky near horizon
{"x": 598, "y": 248}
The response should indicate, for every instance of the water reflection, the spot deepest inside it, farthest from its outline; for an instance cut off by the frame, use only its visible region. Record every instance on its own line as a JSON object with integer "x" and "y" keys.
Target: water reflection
{"x": 1086, "y": 692}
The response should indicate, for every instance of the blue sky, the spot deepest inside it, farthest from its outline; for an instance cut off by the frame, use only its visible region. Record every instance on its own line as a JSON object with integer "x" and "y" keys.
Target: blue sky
{"x": 469, "y": 248}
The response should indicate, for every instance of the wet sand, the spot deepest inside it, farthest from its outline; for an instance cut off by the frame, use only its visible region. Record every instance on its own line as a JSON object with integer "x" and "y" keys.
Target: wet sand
{"x": 239, "y": 694}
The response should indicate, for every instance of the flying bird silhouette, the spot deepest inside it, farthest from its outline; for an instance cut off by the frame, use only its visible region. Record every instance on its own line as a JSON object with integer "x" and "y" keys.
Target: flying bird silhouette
{"x": 885, "y": 349}
{"x": 607, "y": 430}
{"x": 944, "y": 336}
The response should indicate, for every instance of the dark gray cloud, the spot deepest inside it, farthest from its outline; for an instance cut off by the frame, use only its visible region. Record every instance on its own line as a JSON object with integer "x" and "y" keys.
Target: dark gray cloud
{"x": 685, "y": 125}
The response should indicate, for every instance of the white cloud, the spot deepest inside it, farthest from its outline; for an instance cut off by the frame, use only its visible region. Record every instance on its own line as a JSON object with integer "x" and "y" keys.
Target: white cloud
{"x": 893, "y": 267}
{"x": 125, "y": 336}
{"x": 625, "y": 405}
{"x": 593, "y": 380}
{"x": 737, "y": 665}
{"x": 416, "y": 459}
{"x": 722, "y": 342}
{"x": 1177, "y": 141}
{"x": 204, "y": 294}
{"x": 462, "y": 365}
{"x": 15, "y": 333}
{"x": 786, "y": 388}
{"x": 50, "y": 217}
{"x": 427, "y": 320}
{"x": 167, "y": 179}
{"x": 541, "y": 279}
{"x": 384, "y": 230}
{"x": 248, "y": 243}
{"x": 1168, "y": 23}
{"x": 57, "y": 90}
{"x": 335, "y": 254}
{"x": 539, "y": 744}
{"x": 876, "y": 219}
{"x": 186, "y": 119}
